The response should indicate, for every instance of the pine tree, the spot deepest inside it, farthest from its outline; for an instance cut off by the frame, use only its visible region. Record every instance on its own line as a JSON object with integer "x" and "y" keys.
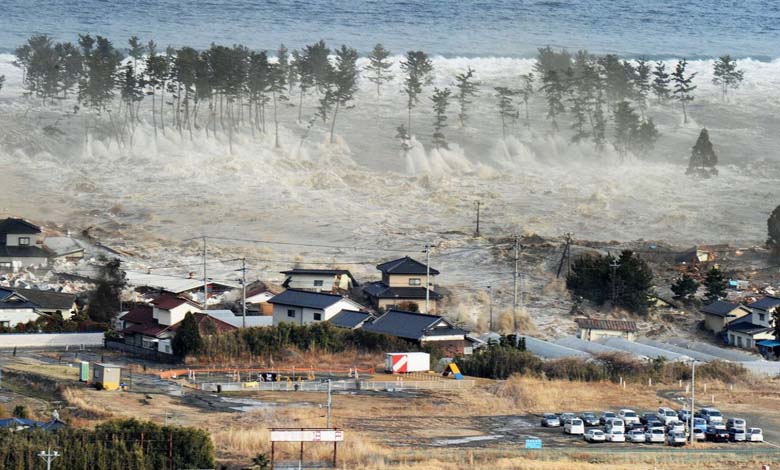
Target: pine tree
{"x": 378, "y": 67}
{"x": 526, "y": 91}
{"x": 773, "y": 231}
{"x": 646, "y": 136}
{"x": 417, "y": 69}
{"x": 683, "y": 86}
{"x": 684, "y": 287}
{"x": 345, "y": 81}
{"x": 105, "y": 299}
{"x": 554, "y": 91}
{"x": 2, "y": 81}
{"x": 188, "y": 339}
{"x": 467, "y": 89}
{"x": 441, "y": 100}
{"x": 599, "y": 121}
{"x": 278, "y": 88}
{"x": 302, "y": 63}
{"x": 402, "y": 134}
{"x": 726, "y": 75}
{"x": 506, "y": 106}
{"x": 716, "y": 285}
{"x": 548, "y": 60}
{"x": 643, "y": 85}
{"x": 703, "y": 157}
{"x": 661, "y": 81}
{"x": 626, "y": 127}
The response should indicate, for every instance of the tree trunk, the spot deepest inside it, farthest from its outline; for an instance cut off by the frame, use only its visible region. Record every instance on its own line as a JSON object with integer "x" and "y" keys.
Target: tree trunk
{"x": 276, "y": 123}
{"x": 162, "y": 108}
{"x": 300, "y": 104}
{"x": 154, "y": 116}
{"x": 333, "y": 122}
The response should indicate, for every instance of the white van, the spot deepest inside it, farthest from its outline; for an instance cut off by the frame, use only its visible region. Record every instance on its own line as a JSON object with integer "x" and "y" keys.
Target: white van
{"x": 628, "y": 416}
{"x": 615, "y": 424}
{"x": 711, "y": 415}
{"x": 574, "y": 426}
{"x": 666, "y": 415}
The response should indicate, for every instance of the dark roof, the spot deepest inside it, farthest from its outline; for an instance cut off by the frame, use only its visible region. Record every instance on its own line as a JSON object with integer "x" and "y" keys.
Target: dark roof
{"x": 350, "y": 319}
{"x": 767, "y": 303}
{"x": 380, "y": 290}
{"x": 405, "y": 265}
{"x": 719, "y": 308}
{"x": 10, "y": 299}
{"x": 29, "y": 423}
{"x": 411, "y": 325}
{"x": 324, "y": 272}
{"x": 21, "y": 226}
{"x": 22, "y": 252}
{"x": 614, "y": 325}
{"x": 147, "y": 329}
{"x": 301, "y": 298}
{"x": 747, "y": 327}
{"x": 139, "y": 314}
{"x": 48, "y": 299}
{"x": 167, "y": 302}
{"x": 202, "y": 318}
{"x": 153, "y": 328}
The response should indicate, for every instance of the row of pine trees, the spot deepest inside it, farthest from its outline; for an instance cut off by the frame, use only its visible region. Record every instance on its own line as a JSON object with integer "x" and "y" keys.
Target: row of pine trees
{"x": 225, "y": 89}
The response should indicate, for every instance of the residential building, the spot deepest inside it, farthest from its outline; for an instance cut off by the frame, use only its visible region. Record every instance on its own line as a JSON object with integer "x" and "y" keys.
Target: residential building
{"x": 403, "y": 284}
{"x": 319, "y": 280}
{"x": 16, "y": 309}
{"x": 592, "y": 329}
{"x": 351, "y": 319}
{"x": 190, "y": 287}
{"x": 252, "y": 319}
{"x": 304, "y": 307}
{"x": 718, "y": 314}
{"x": 763, "y": 308}
{"x": 423, "y": 329}
{"x": 257, "y": 296}
{"x": 25, "y": 305}
{"x": 745, "y": 334}
{"x": 21, "y": 245}
{"x": 64, "y": 248}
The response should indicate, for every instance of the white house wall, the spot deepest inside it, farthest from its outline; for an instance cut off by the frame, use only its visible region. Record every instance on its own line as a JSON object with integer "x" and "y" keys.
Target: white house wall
{"x": 15, "y": 316}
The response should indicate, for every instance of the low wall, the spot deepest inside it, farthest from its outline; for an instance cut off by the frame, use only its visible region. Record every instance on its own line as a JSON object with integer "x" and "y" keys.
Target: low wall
{"x": 319, "y": 386}
{"x": 50, "y": 340}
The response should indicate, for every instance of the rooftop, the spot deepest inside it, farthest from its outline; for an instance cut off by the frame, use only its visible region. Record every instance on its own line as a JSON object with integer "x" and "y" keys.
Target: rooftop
{"x": 613, "y": 325}
{"x": 324, "y": 272}
{"x": 18, "y": 226}
{"x": 168, "y": 302}
{"x": 301, "y": 298}
{"x": 767, "y": 303}
{"x": 48, "y": 299}
{"x": 405, "y": 265}
{"x": 380, "y": 290}
{"x": 350, "y": 319}
{"x": 747, "y": 327}
{"x": 720, "y": 308}
{"x": 412, "y": 325}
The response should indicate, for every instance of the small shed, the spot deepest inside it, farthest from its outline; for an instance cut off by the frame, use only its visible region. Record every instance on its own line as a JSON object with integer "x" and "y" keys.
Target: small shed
{"x": 591, "y": 329}
{"x": 106, "y": 376}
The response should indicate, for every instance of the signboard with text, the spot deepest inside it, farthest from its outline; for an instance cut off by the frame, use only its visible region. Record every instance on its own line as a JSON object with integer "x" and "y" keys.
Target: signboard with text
{"x": 307, "y": 435}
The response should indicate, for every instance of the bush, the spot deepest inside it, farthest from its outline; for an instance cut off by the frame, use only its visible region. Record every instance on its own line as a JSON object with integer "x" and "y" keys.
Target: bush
{"x": 499, "y": 362}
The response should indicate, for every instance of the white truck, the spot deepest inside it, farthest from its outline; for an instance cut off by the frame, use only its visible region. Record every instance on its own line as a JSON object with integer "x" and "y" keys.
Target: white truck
{"x": 402, "y": 363}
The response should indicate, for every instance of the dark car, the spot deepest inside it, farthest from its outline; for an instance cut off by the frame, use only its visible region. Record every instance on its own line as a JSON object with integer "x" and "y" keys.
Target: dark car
{"x": 645, "y": 417}
{"x": 717, "y": 434}
{"x": 590, "y": 419}
{"x": 654, "y": 423}
{"x": 551, "y": 420}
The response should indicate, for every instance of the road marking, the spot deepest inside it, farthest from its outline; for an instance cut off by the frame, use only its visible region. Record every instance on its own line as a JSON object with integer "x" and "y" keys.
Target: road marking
{"x": 773, "y": 445}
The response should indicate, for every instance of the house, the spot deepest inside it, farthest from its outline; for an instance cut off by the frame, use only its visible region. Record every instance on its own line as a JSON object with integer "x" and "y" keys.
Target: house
{"x": 150, "y": 328}
{"x": 319, "y": 280}
{"x": 700, "y": 255}
{"x": 20, "y": 245}
{"x": 15, "y": 309}
{"x": 592, "y": 329}
{"x": 720, "y": 313}
{"x": 21, "y": 424}
{"x": 51, "y": 302}
{"x": 424, "y": 330}
{"x": 25, "y": 305}
{"x": 192, "y": 287}
{"x": 64, "y": 248}
{"x": 252, "y": 320}
{"x": 257, "y": 296}
{"x": 745, "y": 334}
{"x": 304, "y": 307}
{"x": 403, "y": 283}
{"x": 763, "y": 309}
{"x": 351, "y": 319}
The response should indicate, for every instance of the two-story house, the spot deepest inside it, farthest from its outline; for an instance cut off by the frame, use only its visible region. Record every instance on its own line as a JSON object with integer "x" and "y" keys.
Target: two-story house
{"x": 403, "y": 286}
{"x": 754, "y": 326}
{"x": 20, "y": 245}
{"x": 304, "y": 307}
{"x": 25, "y": 305}
{"x": 319, "y": 280}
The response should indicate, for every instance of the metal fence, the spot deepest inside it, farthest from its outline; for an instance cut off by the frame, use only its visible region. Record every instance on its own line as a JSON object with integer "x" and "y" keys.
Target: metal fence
{"x": 319, "y": 386}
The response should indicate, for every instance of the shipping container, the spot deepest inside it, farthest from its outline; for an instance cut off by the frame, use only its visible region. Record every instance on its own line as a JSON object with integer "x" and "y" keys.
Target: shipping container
{"x": 401, "y": 363}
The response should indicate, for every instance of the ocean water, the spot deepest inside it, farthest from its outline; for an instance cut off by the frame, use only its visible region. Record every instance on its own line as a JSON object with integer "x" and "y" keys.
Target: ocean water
{"x": 472, "y": 28}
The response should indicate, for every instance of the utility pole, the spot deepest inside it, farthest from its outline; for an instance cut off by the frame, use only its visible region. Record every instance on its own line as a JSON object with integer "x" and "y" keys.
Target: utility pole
{"x": 205, "y": 279}
{"x": 476, "y": 234}
{"x": 427, "y": 278}
{"x": 49, "y": 456}
{"x": 693, "y": 387}
{"x": 243, "y": 292}
{"x": 490, "y": 294}
{"x": 614, "y": 265}
{"x": 330, "y": 402}
{"x": 514, "y": 281}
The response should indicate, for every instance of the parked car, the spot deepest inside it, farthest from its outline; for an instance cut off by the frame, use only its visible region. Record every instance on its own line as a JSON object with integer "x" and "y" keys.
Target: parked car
{"x": 615, "y": 423}
{"x": 717, "y": 433}
{"x": 566, "y": 416}
{"x": 699, "y": 435}
{"x": 645, "y": 417}
{"x": 665, "y": 415}
{"x": 684, "y": 415}
{"x": 654, "y": 435}
{"x": 736, "y": 423}
{"x": 655, "y": 424}
{"x": 605, "y": 416}
{"x": 700, "y": 423}
{"x": 594, "y": 435}
{"x": 628, "y": 416}
{"x": 550, "y": 420}
{"x": 675, "y": 426}
{"x": 737, "y": 435}
{"x": 635, "y": 435}
{"x": 675, "y": 439}
{"x": 755, "y": 435}
{"x": 574, "y": 426}
{"x": 590, "y": 419}
{"x": 711, "y": 415}
{"x": 616, "y": 435}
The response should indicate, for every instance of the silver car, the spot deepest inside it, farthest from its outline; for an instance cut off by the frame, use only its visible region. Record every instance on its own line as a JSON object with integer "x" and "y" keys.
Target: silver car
{"x": 636, "y": 436}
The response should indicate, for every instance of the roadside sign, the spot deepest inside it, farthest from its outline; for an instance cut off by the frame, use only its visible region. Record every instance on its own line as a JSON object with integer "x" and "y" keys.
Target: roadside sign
{"x": 533, "y": 443}
{"x": 307, "y": 435}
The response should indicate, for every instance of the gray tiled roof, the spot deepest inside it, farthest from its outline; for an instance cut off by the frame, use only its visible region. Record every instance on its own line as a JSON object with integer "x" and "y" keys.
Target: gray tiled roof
{"x": 350, "y": 319}
{"x": 747, "y": 327}
{"x": 47, "y": 299}
{"x": 719, "y": 308}
{"x": 405, "y": 265}
{"x": 300, "y": 298}
{"x": 325, "y": 272}
{"x": 18, "y": 226}
{"x": 380, "y": 290}
{"x": 767, "y": 303}
{"x": 411, "y": 325}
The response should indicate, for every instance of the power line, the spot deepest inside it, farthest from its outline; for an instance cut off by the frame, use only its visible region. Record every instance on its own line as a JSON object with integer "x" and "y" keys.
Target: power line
{"x": 310, "y": 245}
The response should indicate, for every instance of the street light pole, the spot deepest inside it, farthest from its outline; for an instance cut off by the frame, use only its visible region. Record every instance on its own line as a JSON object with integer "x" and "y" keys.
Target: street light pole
{"x": 693, "y": 388}
{"x": 48, "y": 456}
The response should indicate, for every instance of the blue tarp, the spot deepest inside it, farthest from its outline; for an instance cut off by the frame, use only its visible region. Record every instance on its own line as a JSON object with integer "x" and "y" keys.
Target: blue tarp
{"x": 16, "y": 423}
{"x": 768, "y": 343}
